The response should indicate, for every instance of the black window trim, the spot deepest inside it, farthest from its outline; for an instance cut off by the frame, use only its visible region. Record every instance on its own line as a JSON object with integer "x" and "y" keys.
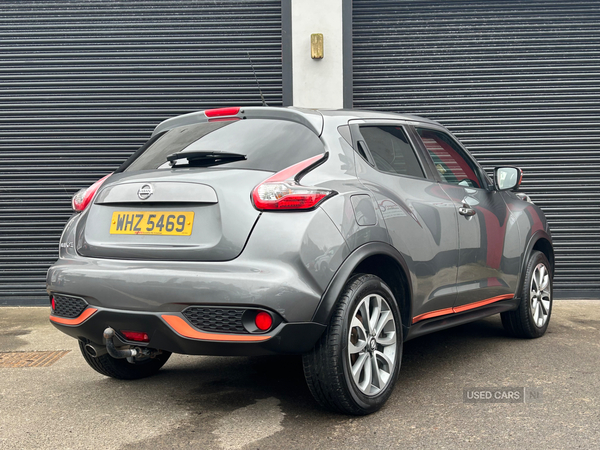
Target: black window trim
{"x": 129, "y": 161}
{"x": 358, "y": 137}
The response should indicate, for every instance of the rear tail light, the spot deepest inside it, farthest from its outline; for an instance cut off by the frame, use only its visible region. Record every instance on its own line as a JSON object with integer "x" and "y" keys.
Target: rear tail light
{"x": 83, "y": 197}
{"x": 137, "y": 336}
{"x": 283, "y": 191}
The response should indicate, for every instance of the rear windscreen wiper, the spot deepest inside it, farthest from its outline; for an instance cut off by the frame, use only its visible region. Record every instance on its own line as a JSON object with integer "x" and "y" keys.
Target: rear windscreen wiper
{"x": 205, "y": 158}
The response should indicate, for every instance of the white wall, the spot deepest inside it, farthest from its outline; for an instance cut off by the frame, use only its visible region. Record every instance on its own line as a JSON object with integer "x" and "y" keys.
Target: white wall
{"x": 317, "y": 83}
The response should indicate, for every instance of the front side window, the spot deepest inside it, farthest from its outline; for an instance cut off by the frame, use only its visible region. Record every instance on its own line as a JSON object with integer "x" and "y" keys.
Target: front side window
{"x": 391, "y": 150}
{"x": 448, "y": 158}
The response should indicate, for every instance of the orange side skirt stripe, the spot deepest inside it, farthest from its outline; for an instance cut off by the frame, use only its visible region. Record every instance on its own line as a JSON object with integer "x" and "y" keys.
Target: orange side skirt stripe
{"x": 461, "y": 308}
{"x": 85, "y": 315}
{"x": 429, "y": 315}
{"x": 184, "y": 329}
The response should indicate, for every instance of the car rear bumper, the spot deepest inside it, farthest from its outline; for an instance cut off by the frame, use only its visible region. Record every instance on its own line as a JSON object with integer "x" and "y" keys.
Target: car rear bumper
{"x": 169, "y": 286}
{"x": 172, "y": 332}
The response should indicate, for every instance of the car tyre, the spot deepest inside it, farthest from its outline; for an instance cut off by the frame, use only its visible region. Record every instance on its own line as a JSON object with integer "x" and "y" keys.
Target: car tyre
{"x": 532, "y": 317}
{"x": 355, "y": 364}
{"x": 121, "y": 368}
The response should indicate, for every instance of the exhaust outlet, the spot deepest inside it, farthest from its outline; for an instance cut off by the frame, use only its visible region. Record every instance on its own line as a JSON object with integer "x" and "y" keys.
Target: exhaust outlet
{"x": 94, "y": 350}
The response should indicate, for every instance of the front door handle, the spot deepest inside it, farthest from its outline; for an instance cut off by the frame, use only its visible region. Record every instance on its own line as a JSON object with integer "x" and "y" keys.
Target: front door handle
{"x": 466, "y": 210}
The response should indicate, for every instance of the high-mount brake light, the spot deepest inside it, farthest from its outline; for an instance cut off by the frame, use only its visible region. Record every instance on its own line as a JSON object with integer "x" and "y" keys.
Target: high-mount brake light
{"x": 83, "y": 197}
{"x": 222, "y": 112}
{"x": 282, "y": 191}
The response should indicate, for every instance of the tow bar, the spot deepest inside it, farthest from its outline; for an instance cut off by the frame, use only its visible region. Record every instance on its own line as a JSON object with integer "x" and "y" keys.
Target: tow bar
{"x": 132, "y": 355}
{"x": 108, "y": 334}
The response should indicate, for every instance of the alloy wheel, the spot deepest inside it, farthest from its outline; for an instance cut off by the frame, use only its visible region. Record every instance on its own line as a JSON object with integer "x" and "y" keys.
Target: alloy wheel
{"x": 372, "y": 342}
{"x": 540, "y": 296}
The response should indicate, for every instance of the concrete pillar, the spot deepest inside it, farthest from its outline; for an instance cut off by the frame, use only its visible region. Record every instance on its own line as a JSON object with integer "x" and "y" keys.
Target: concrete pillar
{"x": 317, "y": 83}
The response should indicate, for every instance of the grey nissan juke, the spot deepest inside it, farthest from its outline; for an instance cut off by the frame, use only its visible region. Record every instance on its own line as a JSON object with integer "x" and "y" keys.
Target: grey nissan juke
{"x": 337, "y": 235}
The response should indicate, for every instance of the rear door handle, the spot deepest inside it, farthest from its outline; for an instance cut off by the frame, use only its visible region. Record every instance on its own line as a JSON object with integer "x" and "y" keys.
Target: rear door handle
{"x": 466, "y": 210}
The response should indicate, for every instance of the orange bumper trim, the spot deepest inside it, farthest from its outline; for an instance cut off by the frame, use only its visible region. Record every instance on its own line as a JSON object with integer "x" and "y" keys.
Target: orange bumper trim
{"x": 85, "y": 315}
{"x": 184, "y": 329}
{"x": 461, "y": 308}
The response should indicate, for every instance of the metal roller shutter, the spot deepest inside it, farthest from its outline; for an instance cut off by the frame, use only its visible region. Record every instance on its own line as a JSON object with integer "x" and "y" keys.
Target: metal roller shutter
{"x": 518, "y": 82}
{"x": 83, "y": 84}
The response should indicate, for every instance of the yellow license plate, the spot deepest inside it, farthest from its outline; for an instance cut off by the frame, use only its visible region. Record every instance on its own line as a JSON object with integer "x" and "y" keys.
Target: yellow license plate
{"x": 169, "y": 223}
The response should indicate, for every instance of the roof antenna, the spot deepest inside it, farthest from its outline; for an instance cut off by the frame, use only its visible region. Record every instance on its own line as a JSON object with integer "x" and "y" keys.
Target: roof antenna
{"x": 256, "y": 78}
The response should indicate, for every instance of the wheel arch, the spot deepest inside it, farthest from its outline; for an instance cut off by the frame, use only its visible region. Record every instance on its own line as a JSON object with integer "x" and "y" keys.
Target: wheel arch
{"x": 376, "y": 258}
{"x": 540, "y": 241}
{"x": 543, "y": 245}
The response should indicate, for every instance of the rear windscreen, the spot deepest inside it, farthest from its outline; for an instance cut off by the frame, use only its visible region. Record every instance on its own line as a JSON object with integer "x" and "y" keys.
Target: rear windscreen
{"x": 269, "y": 145}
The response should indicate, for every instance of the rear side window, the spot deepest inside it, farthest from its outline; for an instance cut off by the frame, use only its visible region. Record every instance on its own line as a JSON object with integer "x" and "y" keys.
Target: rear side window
{"x": 391, "y": 150}
{"x": 270, "y": 145}
{"x": 449, "y": 159}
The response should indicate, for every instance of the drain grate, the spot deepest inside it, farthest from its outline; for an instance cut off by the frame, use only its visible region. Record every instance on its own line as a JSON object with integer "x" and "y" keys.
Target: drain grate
{"x": 30, "y": 359}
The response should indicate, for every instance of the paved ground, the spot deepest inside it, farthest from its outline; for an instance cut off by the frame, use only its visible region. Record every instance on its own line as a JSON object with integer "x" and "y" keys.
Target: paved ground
{"x": 263, "y": 403}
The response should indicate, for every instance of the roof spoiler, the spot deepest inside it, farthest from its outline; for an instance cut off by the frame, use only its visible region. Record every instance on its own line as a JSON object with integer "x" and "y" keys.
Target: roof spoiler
{"x": 311, "y": 119}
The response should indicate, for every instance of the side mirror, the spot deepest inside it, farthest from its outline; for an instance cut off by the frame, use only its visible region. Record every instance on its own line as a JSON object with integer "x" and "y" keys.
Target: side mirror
{"x": 507, "y": 178}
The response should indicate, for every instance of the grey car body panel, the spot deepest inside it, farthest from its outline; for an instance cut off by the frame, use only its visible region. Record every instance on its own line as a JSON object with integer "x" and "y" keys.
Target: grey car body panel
{"x": 485, "y": 269}
{"x": 364, "y": 211}
{"x": 163, "y": 192}
{"x": 413, "y": 210}
{"x": 330, "y": 296}
{"x": 345, "y": 182}
{"x": 488, "y": 264}
{"x": 221, "y": 227}
{"x": 283, "y": 270}
{"x": 413, "y": 223}
{"x": 297, "y": 263}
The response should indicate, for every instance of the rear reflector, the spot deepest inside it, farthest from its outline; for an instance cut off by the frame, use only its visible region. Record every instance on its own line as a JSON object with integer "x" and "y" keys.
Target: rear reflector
{"x": 53, "y": 304}
{"x": 83, "y": 198}
{"x": 222, "y": 112}
{"x": 282, "y": 191}
{"x": 136, "y": 336}
{"x": 263, "y": 321}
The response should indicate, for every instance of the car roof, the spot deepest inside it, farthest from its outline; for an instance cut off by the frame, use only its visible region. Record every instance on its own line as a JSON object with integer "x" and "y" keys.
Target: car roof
{"x": 370, "y": 114}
